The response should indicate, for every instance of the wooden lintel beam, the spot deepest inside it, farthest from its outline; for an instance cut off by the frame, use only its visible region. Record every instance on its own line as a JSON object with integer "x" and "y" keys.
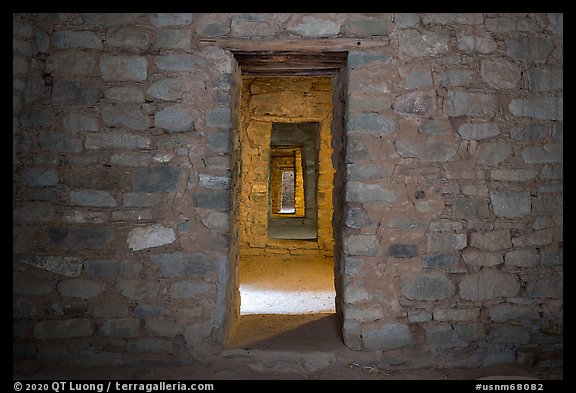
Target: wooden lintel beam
{"x": 274, "y": 45}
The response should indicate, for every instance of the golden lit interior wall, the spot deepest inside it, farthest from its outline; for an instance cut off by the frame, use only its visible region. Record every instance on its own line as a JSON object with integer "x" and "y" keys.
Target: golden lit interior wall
{"x": 283, "y": 159}
{"x": 264, "y": 101}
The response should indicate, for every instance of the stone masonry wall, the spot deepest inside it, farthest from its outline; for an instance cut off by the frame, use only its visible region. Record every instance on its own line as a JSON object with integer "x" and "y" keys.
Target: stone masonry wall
{"x": 122, "y": 133}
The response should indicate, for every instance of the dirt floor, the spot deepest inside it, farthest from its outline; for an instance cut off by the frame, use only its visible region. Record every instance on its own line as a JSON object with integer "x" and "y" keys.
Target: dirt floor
{"x": 272, "y": 347}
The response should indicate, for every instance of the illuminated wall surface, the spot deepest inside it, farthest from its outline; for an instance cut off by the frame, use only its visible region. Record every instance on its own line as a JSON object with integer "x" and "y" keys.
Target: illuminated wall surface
{"x": 266, "y": 103}
{"x": 141, "y": 176}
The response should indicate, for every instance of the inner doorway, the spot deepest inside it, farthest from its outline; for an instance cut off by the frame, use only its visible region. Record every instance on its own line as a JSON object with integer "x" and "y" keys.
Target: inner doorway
{"x": 288, "y": 191}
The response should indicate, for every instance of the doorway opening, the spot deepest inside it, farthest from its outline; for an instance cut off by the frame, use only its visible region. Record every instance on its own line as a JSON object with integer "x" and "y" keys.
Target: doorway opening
{"x": 288, "y": 192}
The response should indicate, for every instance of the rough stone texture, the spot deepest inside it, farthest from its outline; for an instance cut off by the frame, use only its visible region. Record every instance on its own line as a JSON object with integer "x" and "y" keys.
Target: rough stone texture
{"x": 511, "y": 204}
{"x": 428, "y": 286}
{"x": 124, "y": 68}
{"x": 80, "y": 288}
{"x": 67, "y": 328}
{"x": 386, "y": 337}
{"x": 172, "y": 119}
{"x": 66, "y": 266}
{"x": 180, "y": 264}
{"x": 488, "y": 284}
{"x": 441, "y": 144}
{"x": 151, "y": 236}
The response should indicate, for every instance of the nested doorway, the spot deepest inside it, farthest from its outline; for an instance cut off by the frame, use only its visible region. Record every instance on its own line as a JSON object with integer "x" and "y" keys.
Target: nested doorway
{"x": 288, "y": 183}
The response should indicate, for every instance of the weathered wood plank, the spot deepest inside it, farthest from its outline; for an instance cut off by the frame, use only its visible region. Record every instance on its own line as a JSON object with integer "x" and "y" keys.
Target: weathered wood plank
{"x": 274, "y": 45}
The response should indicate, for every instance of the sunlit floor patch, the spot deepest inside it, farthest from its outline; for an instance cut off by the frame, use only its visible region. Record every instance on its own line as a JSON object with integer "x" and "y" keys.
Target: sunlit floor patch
{"x": 255, "y": 301}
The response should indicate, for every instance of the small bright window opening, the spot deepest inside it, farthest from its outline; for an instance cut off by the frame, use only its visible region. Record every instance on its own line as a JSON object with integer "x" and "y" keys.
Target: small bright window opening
{"x": 287, "y": 204}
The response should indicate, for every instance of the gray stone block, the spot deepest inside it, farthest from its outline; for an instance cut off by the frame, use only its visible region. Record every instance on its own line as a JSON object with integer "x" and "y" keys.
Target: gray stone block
{"x": 219, "y": 142}
{"x": 522, "y": 258}
{"x": 363, "y": 245}
{"x": 110, "y": 19}
{"x": 155, "y": 235}
{"x": 403, "y": 250}
{"x": 443, "y": 336}
{"x": 423, "y": 42}
{"x": 476, "y": 43}
{"x": 122, "y": 116}
{"x": 431, "y": 150}
{"x": 37, "y": 116}
{"x": 471, "y": 207}
{"x": 387, "y": 337}
{"x": 435, "y": 127}
{"x": 64, "y": 329}
{"x": 508, "y": 334}
{"x": 511, "y": 204}
{"x": 546, "y": 108}
{"x": 457, "y": 77}
{"x": 138, "y": 289}
{"x": 513, "y": 174}
{"x": 121, "y": 327}
{"x": 75, "y": 121}
{"x": 173, "y": 38}
{"x": 124, "y": 94}
{"x": 80, "y": 288}
{"x": 371, "y": 123}
{"x": 171, "y": 19}
{"x": 178, "y": 264}
{"x": 66, "y": 266}
{"x": 217, "y": 220}
{"x": 491, "y": 240}
{"x": 530, "y": 49}
{"x": 124, "y": 68}
{"x": 219, "y": 118}
{"x": 552, "y": 257}
{"x": 542, "y": 237}
{"x": 456, "y": 314}
{"x": 463, "y": 103}
{"x": 547, "y": 287}
{"x": 167, "y": 89}
{"x": 60, "y": 142}
{"x": 552, "y": 153}
{"x": 357, "y": 58}
{"x": 416, "y": 103}
{"x": 513, "y": 312}
{"x": 66, "y": 39}
{"x": 440, "y": 242}
{"x": 142, "y": 199}
{"x": 489, "y": 284}
{"x": 312, "y": 26}
{"x": 440, "y": 261}
{"x": 91, "y": 198}
{"x": 478, "y": 131}
{"x": 80, "y": 237}
{"x": 112, "y": 268}
{"x": 189, "y": 289}
{"x": 127, "y": 37}
{"x": 214, "y": 182}
{"x": 162, "y": 178}
{"x": 363, "y": 192}
{"x": 131, "y": 159}
{"x": 40, "y": 177}
{"x": 71, "y": 62}
{"x": 546, "y": 78}
{"x": 427, "y": 286}
{"x": 75, "y": 93}
{"x": 474, "y": 257}
{"x": 173, "y": 119}
{"x": 180, "y": 62}
{"x": 358, "y": 218}
{"x": 218, "y": 199}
